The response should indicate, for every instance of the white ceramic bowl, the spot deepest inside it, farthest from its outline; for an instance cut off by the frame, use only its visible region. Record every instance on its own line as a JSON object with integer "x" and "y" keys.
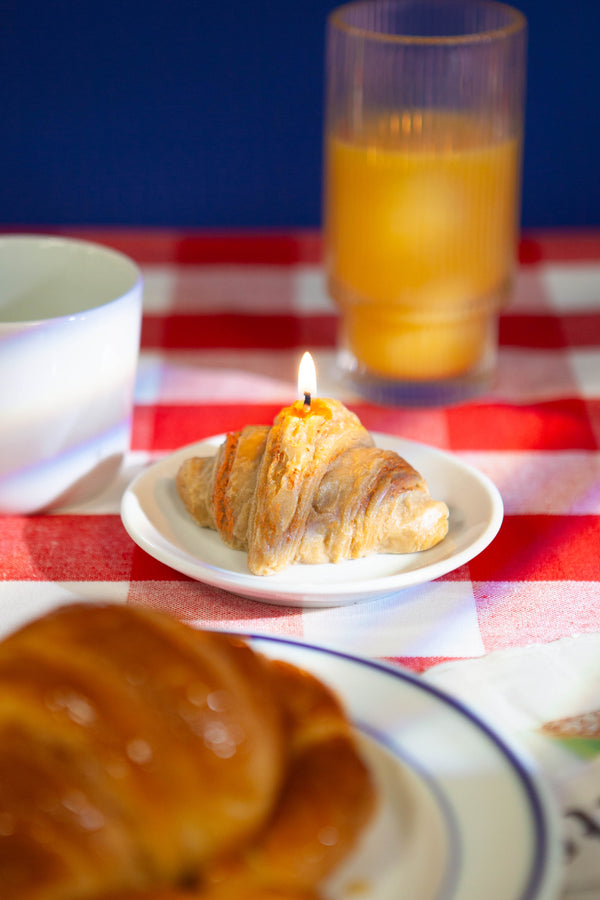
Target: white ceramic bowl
{"x": 70, "y": 318}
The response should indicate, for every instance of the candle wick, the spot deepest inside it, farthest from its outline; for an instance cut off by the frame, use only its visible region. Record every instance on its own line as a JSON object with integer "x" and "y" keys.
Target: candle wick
{"x": 306, "y": 398}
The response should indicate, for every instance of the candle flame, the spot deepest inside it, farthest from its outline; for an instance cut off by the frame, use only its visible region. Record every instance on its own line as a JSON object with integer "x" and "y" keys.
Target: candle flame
{"x": 307, "y": 376}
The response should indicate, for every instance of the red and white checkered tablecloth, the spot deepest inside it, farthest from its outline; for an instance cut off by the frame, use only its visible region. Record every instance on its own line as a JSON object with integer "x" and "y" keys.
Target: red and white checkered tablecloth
{"x": 226, "y": 319}
{"x": 515, "y": 633}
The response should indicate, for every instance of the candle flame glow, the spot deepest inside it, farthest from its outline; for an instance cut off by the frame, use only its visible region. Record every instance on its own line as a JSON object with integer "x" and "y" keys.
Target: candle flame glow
{"x": 307, "y": 376}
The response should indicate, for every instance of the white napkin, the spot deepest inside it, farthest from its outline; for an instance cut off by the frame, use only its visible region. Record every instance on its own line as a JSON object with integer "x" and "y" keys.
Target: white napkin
{"x": 519, "y": 690}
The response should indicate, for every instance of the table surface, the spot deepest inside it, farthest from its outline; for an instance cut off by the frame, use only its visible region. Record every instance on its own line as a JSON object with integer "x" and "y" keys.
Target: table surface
{"x": 226, "y": 319}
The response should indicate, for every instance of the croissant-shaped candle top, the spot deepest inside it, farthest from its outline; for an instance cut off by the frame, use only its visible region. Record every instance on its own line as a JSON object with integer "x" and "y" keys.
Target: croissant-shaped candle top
{"x": 308, "y": 408}
{"x": 310, "y": 488}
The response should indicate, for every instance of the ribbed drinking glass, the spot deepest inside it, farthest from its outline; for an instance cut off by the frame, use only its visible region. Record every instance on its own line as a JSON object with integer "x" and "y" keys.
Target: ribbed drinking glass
{"x": 423, "y": 145}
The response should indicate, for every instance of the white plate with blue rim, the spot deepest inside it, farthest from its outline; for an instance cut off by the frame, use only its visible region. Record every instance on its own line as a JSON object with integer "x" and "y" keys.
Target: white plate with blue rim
{"x": 155, "y": 517}
{"x": 461, "y": 815}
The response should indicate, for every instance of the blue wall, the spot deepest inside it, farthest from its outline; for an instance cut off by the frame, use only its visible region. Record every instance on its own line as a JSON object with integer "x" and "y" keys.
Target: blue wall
{"x": 205, "y": 114}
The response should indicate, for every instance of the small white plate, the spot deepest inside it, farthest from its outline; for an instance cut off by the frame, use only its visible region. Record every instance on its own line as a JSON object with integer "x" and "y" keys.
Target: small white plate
{"x": 156, "y": 519}
{"x": 461, "y": 816}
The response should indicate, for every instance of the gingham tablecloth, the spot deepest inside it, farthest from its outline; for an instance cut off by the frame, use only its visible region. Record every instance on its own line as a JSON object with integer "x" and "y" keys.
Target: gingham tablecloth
{"x": 226, "y": 320}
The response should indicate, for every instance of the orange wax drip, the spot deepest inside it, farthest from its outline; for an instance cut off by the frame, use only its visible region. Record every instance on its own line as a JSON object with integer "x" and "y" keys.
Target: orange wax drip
{"x": 302, "y": 410}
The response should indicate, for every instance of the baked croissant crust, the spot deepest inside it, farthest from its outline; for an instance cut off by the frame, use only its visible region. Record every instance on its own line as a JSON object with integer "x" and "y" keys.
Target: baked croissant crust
{"x": 141, "y": 759}
{"x": 311, "y": 488}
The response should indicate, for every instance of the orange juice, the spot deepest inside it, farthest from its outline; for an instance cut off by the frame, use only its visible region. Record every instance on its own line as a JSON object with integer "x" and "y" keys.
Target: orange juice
{"x": 421, "y": 228}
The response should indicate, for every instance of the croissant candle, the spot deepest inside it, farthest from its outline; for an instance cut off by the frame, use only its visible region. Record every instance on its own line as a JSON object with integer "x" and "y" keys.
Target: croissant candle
{"x": 310, "y": 488}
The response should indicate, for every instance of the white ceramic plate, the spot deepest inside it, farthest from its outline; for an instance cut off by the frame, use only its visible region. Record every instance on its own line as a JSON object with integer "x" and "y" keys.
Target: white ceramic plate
{"x": 461, "y": 816}
{"x": 155, "y": 517}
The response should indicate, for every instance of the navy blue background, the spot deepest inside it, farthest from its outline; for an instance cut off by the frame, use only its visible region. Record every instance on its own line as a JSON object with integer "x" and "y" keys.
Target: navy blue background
{"x": 209, "y": 115}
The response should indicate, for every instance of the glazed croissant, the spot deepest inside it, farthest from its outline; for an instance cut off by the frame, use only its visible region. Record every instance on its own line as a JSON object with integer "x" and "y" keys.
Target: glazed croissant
{"x": 311, "y": 488}
{"x": 141, "y": 759}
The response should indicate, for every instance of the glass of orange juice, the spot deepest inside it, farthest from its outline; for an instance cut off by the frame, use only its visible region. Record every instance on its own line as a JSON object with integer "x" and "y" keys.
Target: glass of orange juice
{"x": 423, "y": 144}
